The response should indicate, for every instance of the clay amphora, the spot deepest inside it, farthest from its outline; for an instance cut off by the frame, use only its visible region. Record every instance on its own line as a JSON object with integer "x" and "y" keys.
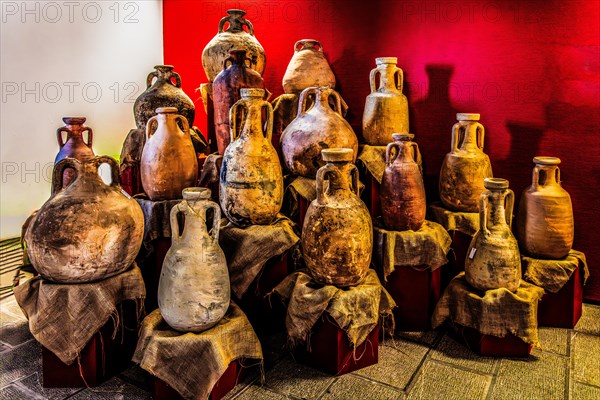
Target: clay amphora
{"x": 234, "y": 37}
{"x": 251, "y": 183}
{"x": 316, "y": 128}
{"x": 307, "y": 68}
{"x": 386, "y": 108}
{"x": 545, "y": 218}
{"x": 402, "y": 197}
{"x": 226, "y": 91}
{"x": 168, "y": 164}
{"x": 74, "y": 145}
{"x": 87, "y": 231}
{"x": 466, "y": 166}
{"x": 337, "y": 237}
{"x": 193, "y": 290}
{"x": 493, "y": 260}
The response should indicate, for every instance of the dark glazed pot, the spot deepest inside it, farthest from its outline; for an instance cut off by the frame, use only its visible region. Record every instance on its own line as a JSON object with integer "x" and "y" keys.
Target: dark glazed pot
{"x": 74, "y": 145}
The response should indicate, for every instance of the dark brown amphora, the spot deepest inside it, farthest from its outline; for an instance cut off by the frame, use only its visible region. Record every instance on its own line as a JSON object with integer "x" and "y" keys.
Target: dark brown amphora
{"x": 73, "y": 146}
{"x": 226, "y": 91}
{"x": 403, "y": 204}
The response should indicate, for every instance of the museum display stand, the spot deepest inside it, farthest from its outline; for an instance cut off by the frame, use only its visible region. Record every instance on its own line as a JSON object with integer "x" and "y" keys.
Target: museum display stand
{"x": 87, "y": 331}
{"x": 197, "y": 365}
{"x": 372, "y": 162}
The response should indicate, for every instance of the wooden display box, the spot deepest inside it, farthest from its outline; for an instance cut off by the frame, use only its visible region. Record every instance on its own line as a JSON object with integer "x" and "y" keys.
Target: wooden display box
{"x": 162, "y": 391}
{"x": 563, "y": 308}
{"x": 456, "y": 258}
{"x": 101, "y": 359}
{"x": 331, "y": 352}
{"x": 416, "y": 293}
{"x": 491, "y": 346}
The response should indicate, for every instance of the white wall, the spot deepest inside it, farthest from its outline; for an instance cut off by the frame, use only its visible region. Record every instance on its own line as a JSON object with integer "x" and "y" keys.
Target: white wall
{"x": 67, "y": 58}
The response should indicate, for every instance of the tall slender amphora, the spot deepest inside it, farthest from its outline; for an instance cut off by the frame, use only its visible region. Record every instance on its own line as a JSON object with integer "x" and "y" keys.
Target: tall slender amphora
{"x": 403, "y": 203}
{"x": 493, "y": 260}
{"x": 466, "y": 166}
{"x": 193, "y": 291}
{"x": 545, "y": 225}
{"x": 386, "y": 108}
{"x": 73, "y": 146}
{"x": 337, "y": 237}
{"x": 251, "y": 184}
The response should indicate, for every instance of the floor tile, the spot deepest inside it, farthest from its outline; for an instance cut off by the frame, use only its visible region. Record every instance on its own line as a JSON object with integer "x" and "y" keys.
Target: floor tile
{"x": 453, "y": 352}
{"x": 586, "y": 358}
{"x": 585, "y": 392}
{"x": 554, "y": 340}
{"x": 291, "y": 378}
{"x": 114, "y": 388}
{"x": 427, "y": 337}
{"x": 20, "y": 362}
{"x": 15, "y": 333}
{"x": 256, "y": 392}
{"x": 136, "y": 376}
{"x": 33, "y": 384}
{"x": 590, "y": 320}
{"x": 353, "y": 387}
{"x": 13, "y": 392}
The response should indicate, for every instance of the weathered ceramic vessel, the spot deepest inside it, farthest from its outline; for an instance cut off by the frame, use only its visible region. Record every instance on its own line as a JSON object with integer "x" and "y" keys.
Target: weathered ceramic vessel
{"x": 402, "y": 197}
{"x": 307, "y": 68}
{"x": 466, "y": 166}
{"x": 87, "y": 231}
{"x": 493, "y": 260}
{"x": 316, "y": 128}
{"x": 226, "y": 91}
{"x": 251, "y": 183}
{"x": 337, "y": 237}
{"x": 545, "y": 219}
{"x": 74, "y": 146}
{"x": 386, "y": 108}
{"x": 168, "y": 164}
{"x": 193, "y": 290}
{"x": 234, "y": 37}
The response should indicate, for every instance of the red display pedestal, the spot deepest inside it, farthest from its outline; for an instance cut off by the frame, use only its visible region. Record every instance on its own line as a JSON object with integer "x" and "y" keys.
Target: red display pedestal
{"x": 131, "y": 181}
{"x": 371, "y": 196}
{"x": 331, "y": 352}
{"x": 416, "y": 294}
{"x": 302, "y": 207}
{"x": 491, "y": 346}
{"x": 151, "y": 270}
{"x": 563, "y": 308}
{"x": 101, "y": 359}
{"x": 162, "y": 391}
{"x": 456, "y": 258}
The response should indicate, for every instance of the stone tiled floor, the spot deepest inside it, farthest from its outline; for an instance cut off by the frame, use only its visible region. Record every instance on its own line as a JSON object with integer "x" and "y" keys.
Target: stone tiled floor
{"x": 417, "y": 365}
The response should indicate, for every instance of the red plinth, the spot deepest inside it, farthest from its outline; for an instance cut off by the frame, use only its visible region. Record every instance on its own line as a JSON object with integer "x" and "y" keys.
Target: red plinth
{"x": 491, "y": 346}
{"x": 302, "y": 207}
{"x": 563, "y": 308}
{"x": 457, "y": 257}
{"x": 370, "y": 194}
{"x": 151, "y": 269}
{"x": 416, "y": 294}
{"x": 331, "y": 352}
{"x": 162, "y": 391}
{"x": 101, "y": 359}
{"x": 131, "y": 180}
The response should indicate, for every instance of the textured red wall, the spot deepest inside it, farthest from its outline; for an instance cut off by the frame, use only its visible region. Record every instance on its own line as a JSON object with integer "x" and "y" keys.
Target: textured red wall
{"x": 530, "y": 68}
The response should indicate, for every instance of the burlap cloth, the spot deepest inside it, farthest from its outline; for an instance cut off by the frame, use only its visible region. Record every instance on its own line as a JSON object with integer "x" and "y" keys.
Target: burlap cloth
{"x": 356, "y": 310}
{"x": 64, "y": 317}
{"x": 373, "y": 158}
{"x": 191, "y": 363}
{"x": 552, "y": 275}
{"x": 248, "y": 249}
{"x": 496, "y": 312}
{"x": 465, "y": 222}
{"x": 422, "y": 250}
{"x": 157, "y": 223}
{"x": 211, "y": 170}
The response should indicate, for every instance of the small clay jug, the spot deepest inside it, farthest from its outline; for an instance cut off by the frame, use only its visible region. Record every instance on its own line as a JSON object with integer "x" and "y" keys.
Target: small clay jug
{"x": 74, "y": 146}
{"x": 545, "y": 218}
{"x": 402, "y": 197}
{"x": 386, "y": 108}
{"x": 87, "y": 231}
{"x": 315, "y": 128}
{"x": 193, "y": 290}
{"x": 226, "y": 91}
{"x": 307, "y": 68}
{"x": 233, "y": 37}
{"x": 493, "y": 259}
{"x": 337, "y": 237}
{"x": 168, "y": 164}
{"x": 251, "y": 182}
{"x": 466, "y": 166}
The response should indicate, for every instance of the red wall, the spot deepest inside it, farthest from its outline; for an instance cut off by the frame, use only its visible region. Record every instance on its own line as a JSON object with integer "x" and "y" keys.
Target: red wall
{"x": 530, "y": 68}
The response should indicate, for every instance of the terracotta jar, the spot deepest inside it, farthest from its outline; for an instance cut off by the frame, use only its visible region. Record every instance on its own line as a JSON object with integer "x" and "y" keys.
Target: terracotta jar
{"x": 386, "y": 108}
{"x": 545, "y": 218}
{"x": 168, "y": 164}
{"x": 307, "y": 68}
{"x": 402, "y": 197}
{"x": 466, "y": 166}
{"x": 314, "y": 129}
{"x": 337, "y": 237}
{"x": 493, "y": 260}
{"x": 251, "y": 184}
{"x": 74, "y": 146}
{"x": 88, "y": 231}
{"x": 226, "y": 91}
{"x": 234, "y": 37}
{"x": 193, "y": 290}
